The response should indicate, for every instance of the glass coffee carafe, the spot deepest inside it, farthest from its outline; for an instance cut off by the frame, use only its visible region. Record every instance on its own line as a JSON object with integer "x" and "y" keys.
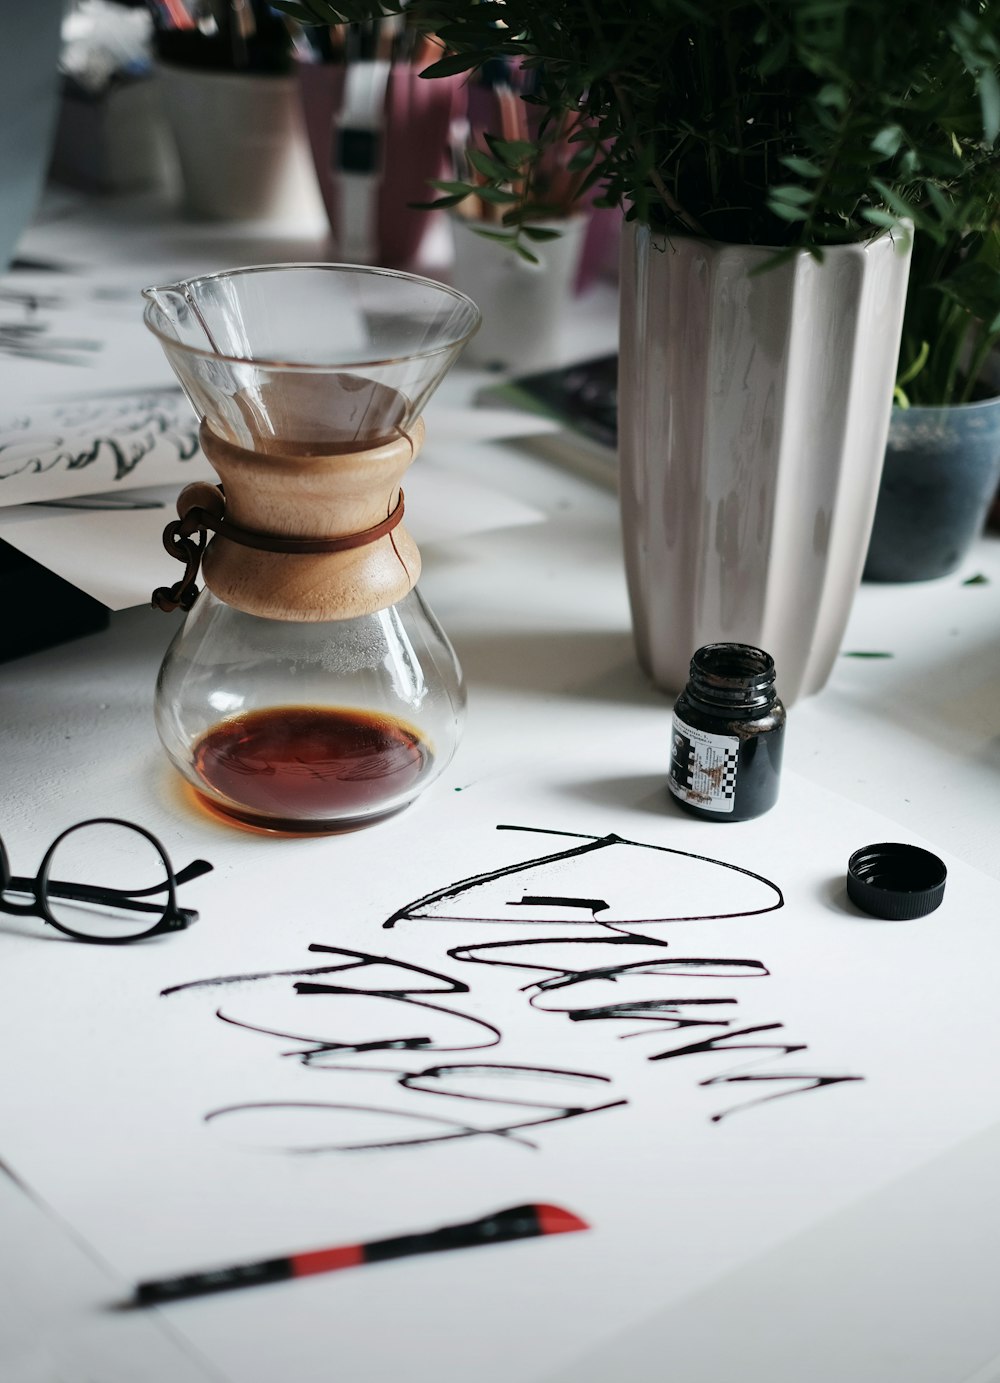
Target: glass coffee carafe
{"x": 310, "y": 688}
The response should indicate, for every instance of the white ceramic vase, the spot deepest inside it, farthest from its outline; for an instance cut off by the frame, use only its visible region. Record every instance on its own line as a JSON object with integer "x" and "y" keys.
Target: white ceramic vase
{"x": 753, "y": 411}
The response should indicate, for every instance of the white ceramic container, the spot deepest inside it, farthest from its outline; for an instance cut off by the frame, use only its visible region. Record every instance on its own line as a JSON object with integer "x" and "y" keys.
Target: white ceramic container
{"x": 523, "y": 304}
{"x": 753, "y": 412}
{"x": 241, "y": 144}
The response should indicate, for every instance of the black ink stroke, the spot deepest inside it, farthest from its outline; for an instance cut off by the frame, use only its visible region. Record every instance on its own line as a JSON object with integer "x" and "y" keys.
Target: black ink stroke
{"x": 363, "y": 976}
{"x": 418, "y": 907}
{"x": 26, "y": 333}
{"x": 567, "y": 974}
{"x": 659, "y": 1014}
{"x": 445, "y": 1129}
{"x": 314, "y": 982}
{"x": 119, "y": 432}
{"x": 356, "y": 960}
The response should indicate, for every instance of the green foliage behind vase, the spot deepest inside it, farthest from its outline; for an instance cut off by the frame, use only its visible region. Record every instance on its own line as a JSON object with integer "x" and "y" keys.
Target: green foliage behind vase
{"x": 952, "y": 320}
{"x": 943, "y": 455}
{"x": 766, "y": 122}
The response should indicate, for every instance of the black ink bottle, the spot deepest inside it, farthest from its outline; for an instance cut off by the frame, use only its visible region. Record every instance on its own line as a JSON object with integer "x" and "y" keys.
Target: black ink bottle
{"x": 728, "y": 732}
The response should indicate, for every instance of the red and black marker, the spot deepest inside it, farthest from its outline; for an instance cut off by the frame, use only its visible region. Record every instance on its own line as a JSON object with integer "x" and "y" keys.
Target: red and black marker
{"x": 520, "y": 1222}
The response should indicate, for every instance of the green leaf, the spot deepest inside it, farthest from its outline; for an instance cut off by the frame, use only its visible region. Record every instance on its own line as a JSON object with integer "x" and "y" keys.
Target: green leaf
{"x": 512, "y": 151}
{"x": 878, "y": 217}
{"x": 460, "y": 189}
{"x": 888, "y": 141}
{"x": 496, "y": 196}
{"x": 776, "y": 57}
{"x": 439, "y": 203}
{"x": 540, "y": 233}
{"x": 832, "y": 95}
{"x": 787, "y": 213}
{"x": 791, "y": 195}
{"x": 452, "y": 64}
{"x": 894, "y": 199}
{"x": 989, "y": 98}
{"x": 908, "y": 375}
{"x": 939, "y": 202}
{"x": 804, "y": 167}
{"x": 504, "y": 237}
{"x": 489, "y": 167}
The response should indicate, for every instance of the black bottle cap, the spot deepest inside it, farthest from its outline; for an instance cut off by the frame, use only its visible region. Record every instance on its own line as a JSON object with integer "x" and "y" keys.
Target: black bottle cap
{"x": 895, "y": 881}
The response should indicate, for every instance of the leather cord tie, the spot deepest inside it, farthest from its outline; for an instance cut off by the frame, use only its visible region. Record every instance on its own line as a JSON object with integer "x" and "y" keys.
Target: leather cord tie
{"x": 187, "y": 537}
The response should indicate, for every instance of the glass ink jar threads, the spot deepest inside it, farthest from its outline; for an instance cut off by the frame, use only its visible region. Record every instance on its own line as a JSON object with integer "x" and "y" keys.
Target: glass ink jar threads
{"x": 728, "y": 733}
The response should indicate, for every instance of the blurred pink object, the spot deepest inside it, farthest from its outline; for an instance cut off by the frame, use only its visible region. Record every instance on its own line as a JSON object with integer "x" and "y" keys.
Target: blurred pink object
{"x": 601, "y": 247}
{"x": 413, "y": 148}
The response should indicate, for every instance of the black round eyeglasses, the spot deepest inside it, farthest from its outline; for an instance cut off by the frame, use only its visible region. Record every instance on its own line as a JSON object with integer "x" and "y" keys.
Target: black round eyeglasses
{"x": 72, "y": 893}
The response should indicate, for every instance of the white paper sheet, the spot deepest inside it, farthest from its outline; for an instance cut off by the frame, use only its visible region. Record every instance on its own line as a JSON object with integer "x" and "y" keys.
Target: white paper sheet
{"x": 75, "y": 333}
{"x": 116, "y": 554}
{"x": 86, "y": 487}
{"x": 115, "y": 442}
{"x": 53, "y": 1328}
{"x": 902, "y": 1285}
{"x": 210, "y": 1124}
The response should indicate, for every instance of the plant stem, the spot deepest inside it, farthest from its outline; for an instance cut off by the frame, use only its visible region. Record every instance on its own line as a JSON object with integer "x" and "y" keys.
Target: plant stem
{"x": 627, "y": 121}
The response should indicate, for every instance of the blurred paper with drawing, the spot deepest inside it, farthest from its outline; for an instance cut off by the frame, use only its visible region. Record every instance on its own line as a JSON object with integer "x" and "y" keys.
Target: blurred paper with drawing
{"x": 57, "y": 451}
{"x": 111, "y": 544}
{"x": 87, "y": 487}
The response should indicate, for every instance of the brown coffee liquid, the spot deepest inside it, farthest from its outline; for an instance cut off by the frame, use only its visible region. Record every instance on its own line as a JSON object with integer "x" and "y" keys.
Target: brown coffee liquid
{"x": 298, "y": 768}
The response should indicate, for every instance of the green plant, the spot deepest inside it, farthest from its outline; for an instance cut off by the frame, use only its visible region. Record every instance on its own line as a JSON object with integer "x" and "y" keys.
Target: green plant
{"x": 774, "y": 122}
{"x": 512, "y": 183}
{"x": 951, "y": 324}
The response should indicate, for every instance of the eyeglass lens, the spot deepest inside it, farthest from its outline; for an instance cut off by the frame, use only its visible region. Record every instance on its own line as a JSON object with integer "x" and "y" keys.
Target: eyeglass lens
{"x": 125, "y": 872}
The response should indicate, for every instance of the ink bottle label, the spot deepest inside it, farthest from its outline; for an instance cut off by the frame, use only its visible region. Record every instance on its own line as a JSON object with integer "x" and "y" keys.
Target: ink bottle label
{"x": 704, "y": 767}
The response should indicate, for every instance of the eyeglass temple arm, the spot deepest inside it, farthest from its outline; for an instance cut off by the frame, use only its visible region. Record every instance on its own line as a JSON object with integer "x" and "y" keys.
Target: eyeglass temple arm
{"x": 193, "y": 871}
{"x": 112, "y": 897}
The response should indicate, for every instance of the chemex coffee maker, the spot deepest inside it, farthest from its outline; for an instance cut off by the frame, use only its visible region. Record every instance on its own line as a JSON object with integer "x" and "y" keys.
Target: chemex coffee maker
{"x": 310, "y": 688}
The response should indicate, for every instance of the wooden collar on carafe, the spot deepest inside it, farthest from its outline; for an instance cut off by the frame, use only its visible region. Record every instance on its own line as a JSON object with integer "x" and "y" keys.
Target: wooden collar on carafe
{"x": 299, "y": 534}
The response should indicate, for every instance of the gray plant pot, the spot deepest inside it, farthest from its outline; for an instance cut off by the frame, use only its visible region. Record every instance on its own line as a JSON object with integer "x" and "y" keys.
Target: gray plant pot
{"x": 942, "y": 467}
{"x": 29, "y": 88}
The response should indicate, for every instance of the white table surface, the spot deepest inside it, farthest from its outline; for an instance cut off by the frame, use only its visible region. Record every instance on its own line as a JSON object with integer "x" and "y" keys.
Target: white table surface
{"x": 900, "y": 1288}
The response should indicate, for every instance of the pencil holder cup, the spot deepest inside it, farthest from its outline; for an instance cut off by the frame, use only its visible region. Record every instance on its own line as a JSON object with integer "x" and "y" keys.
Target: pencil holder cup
{"x": 240, "y": 143}
{"x": 378, "y": 134}
{"x": 310, "y": 688}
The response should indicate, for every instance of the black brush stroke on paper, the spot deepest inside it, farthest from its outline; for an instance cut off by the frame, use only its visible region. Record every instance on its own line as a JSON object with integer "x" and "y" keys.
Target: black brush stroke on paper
{"x": 76, "y": 436}
{"x": 26, "y": 334}
{"x": 590, "y": 845}
{"x": 675, "y": 1024}
{"x": 100, "y": 504}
